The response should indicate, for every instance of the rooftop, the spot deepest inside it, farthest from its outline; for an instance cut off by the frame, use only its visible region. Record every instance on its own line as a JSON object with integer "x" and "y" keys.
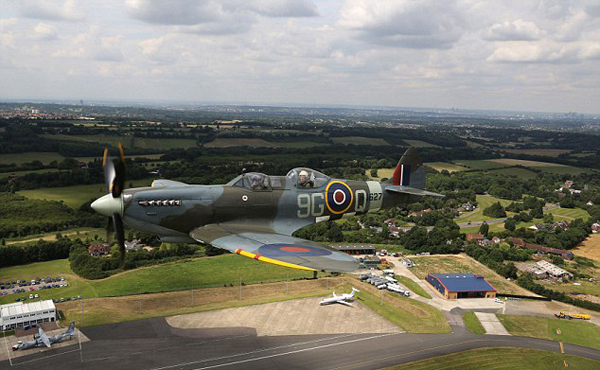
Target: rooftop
{"x": 20, "y": 308}
{"x": 464, "y": 282}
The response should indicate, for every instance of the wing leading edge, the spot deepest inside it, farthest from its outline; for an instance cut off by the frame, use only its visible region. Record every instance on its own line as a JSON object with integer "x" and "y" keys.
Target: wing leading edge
{"x": 274, "y": 248}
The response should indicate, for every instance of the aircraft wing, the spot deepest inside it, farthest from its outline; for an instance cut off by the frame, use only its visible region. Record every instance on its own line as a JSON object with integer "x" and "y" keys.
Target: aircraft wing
{"x": 412, "y": 191}
{"x": 345, "y": 303}
{"x": 268, "y": 246}
{"x": 44, "y": 338}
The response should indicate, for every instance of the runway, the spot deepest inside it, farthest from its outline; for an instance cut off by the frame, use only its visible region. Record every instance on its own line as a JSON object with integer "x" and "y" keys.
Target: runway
{"x": 154, "y": 345}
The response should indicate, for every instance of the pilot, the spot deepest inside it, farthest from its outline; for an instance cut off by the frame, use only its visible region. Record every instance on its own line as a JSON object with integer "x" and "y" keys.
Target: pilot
{"x": 304, "y": 180}
{"x": 257, "y": 182}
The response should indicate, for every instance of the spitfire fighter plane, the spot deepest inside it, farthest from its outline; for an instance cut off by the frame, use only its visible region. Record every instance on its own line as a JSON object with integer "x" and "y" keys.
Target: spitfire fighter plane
{"x": 254, "y": 215}
{"x": 41, "y": 339}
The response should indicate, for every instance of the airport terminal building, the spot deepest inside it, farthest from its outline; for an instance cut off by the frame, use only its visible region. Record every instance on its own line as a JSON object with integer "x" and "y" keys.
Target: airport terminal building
{"x": 454, "y": 286}
{"x": 18, "y": 315}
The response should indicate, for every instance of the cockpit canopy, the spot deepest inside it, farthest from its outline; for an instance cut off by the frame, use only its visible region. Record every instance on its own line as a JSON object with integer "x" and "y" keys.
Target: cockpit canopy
{"x": 304, "y": 177}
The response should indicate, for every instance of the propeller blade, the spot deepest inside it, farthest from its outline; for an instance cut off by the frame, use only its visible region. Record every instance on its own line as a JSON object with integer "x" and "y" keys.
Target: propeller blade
{"x": 114, "y": 172}
{"x": 118, "y": 223}
{"x": 119, "y": 179}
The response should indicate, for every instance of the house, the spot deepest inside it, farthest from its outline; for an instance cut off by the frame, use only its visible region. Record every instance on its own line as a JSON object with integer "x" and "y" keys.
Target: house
{"x": 564, "y": 224}
{"x": 390, "y": 222}
{"x": 476, "y": 237}
{"x": 590, "y": 203}
{"x": 133, "y": 245}
{"x": 407, "y": 262}
{"x": 497, "y": 240}
{"x": 98, "y": 249}
{"x": 465, "y": 207}
{"x": 595, "y": 227}
{"x": 420, "y": 213}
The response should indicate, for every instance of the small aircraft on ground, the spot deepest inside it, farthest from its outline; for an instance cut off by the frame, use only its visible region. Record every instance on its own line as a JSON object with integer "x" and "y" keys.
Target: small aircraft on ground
{"x": 254, "y": 215}
{"x": 343, "y": 299}
{"x": 41, "y": 339}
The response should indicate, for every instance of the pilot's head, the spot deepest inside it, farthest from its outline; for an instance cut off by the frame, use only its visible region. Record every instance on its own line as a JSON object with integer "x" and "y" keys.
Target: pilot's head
{"x": 255, "y": 180}
{"x": 303, "y": 176}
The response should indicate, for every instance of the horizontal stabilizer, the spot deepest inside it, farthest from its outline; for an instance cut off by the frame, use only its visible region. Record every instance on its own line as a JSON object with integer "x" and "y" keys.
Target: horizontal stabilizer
{"x": 412, "y": 191}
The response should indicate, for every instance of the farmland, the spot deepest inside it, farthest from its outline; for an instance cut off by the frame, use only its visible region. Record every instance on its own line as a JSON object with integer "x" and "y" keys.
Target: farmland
{"x": 540, "y": 152}
{"x": 20, "y": 158}
{"x": 590, "y": 248}
{"x": 128, "y": 141}
{"x": 359, "y": 140}
{"x": 479, "y": 164}
{"x": 483, "y": 202}
{"x": 258, "y": 143}
{"x": 74, "y": 196}
{"x": 420, "y": 144}
{"x": 450, "y": 167}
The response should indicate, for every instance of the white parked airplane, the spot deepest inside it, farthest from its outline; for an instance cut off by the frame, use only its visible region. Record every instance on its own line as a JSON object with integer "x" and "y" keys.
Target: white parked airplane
{"x": 343, "y": 299}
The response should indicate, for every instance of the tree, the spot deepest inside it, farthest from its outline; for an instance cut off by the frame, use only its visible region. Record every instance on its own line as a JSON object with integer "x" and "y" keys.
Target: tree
{"x": 374, "y": 172}
{"x": 484, "y": 228}
{"x": 495, "y": 210}
{"x": 510, "y": 224}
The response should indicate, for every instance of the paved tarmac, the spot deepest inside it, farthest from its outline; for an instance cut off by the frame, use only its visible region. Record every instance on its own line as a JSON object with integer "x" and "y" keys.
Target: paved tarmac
{"x": 154, "y": 345}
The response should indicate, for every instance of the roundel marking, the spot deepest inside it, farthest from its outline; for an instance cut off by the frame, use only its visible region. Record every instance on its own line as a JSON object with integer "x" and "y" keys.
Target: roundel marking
{"x": 291, "y": 250}
{"x": 338, "y": 197}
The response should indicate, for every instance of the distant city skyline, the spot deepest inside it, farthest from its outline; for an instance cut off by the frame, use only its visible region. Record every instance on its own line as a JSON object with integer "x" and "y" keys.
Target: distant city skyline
{"x": 529, "y": 56}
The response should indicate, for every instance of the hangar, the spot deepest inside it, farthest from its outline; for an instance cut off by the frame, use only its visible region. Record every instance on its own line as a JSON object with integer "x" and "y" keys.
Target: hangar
{"x": 18, "y": 315}
{"x": 454, "y": 286}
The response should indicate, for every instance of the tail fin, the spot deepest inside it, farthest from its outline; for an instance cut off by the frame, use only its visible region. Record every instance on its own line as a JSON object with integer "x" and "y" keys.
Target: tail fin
{"x": 409, "y": 171}
{"x": 354, "y": 290}
{"x": 71, "y": 329}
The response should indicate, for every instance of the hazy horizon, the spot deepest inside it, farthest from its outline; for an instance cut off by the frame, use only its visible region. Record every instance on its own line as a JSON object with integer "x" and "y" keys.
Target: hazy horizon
{"x": 537, "y": 56}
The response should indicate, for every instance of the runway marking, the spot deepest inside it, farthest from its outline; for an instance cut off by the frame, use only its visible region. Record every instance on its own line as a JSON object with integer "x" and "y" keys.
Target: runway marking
{"x": 257, "y": 351}
{"x": 45, "y": 357}
{"x": 297, "y": 351}
{"x": 562, "y": 347}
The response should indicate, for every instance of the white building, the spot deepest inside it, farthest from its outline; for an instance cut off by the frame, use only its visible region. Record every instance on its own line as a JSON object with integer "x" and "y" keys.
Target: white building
{"x": 18, "y": 315}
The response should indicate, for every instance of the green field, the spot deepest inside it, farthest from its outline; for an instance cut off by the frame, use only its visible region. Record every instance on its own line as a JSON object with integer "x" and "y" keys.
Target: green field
{"x": 80, "y": 232}
{"x": 479, "y": 164}
{"x": 420, "y": 144}
{"x": 500, "y": 359}
{"x": 412, "y": 286}
{"x": 409, "y": 314}
{"x": 196, "y": 273}
{"x": 569, "y": 214}
{"x": 563, "y": 170}
{"x": 259, "y": 143}
{"x": 473, "y": 324}
{"x": 575, "y": 332}
{"x": 497, "y": 227}
{"x": 20, "y": 158}
{"x": 483, "y": 201}
{"x": 23, "y": 173}
{"x": 128, "y": 141}
{"x": 450, "y": 167}
{"x": 586, "y": 287}
{"x": 74, "y": 196}
{"x": 519, "y": 172}
{"x": 359, "y": 140}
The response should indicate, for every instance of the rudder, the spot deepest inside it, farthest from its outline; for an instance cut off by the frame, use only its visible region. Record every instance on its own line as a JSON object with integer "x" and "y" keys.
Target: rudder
{"x": 409, "y": 171}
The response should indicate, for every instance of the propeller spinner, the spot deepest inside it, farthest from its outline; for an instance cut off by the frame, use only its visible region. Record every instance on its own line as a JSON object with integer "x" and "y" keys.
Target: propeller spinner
{"x": 111, "y": 205}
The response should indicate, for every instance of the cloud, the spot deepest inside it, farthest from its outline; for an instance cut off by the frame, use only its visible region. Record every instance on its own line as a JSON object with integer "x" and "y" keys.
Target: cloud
{"x": 45, "y": 32}
{"x": 517, "y": 30}
{"x": 51, "y": 10}
{"x": 216, "y": 17}
{"x": 426, "y": 24}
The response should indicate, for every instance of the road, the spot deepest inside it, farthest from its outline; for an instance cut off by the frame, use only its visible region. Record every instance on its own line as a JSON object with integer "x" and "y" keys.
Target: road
{"x": 153, "y": 345}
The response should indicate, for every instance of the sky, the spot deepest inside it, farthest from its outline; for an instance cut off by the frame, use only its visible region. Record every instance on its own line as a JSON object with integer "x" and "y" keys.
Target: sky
{"x": 541, "y": 55}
